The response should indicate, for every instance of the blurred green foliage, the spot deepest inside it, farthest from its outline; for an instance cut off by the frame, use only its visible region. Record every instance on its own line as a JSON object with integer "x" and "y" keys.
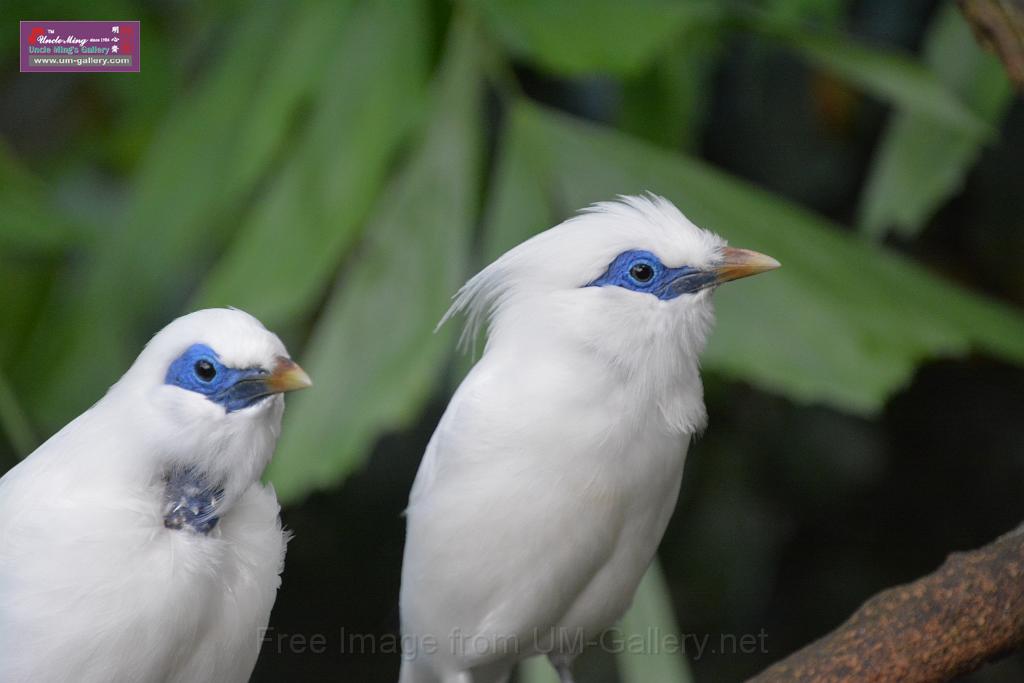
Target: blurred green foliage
{"x": 338, "y": 168}
{"x": 912, "y": 174}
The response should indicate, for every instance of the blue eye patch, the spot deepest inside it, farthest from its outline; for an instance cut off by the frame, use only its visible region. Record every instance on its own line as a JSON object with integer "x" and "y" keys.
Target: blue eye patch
{"x": 199, "y": 369}
{"x": 642, "y": 271}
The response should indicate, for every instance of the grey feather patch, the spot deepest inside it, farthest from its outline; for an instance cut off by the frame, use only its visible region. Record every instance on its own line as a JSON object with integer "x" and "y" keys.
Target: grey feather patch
{"x": 190, "y": 500}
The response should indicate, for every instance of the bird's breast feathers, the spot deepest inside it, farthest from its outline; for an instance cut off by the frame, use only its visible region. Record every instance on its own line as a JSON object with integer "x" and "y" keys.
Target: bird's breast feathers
{"x": 102, "y": 575}
{"x": 526, "y": 496}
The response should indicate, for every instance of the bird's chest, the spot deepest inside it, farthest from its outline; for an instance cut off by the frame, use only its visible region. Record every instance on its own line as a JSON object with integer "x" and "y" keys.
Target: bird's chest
{"x": 634, "y": 478}
{"x": 632, "y": 501}
{"x": 219, "y": 587}
{"x": 591, "y": 434}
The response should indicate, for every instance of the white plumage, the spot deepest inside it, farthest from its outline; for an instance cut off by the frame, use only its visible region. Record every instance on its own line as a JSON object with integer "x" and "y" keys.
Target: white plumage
{"x": 104, "y": 575}
{"x": 548, "y": 483}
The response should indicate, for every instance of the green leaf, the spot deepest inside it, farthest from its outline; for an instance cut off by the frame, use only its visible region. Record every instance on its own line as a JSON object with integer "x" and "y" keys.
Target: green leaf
{"x": 668, "y": 103}
{"x": 519, "y": 204}
{"x": 537, "y": 670}
{"x": 842, "y": 322}
{"x": 13, "y": 420}
{"x": 25, "y": 222}
{"x": 602, "y": 36}
{"x": 224, "y": 137}
{"x": 372, "y": 92}
{"x": 138, "y": 104}
{"x": 921, "y": 160}
{"x": 34, "y": 239}
{"x": 817, "y": 13}
{"x": 209, "y": 155}
{"x": 652, "y": 613}
{"x": 886, "y": 74}
{"x": 373, "y": 355}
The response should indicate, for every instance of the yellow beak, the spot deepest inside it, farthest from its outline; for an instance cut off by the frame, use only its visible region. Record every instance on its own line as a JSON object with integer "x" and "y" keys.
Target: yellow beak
{"x": 287, "y": 376}
{"x": 737, "y": 263}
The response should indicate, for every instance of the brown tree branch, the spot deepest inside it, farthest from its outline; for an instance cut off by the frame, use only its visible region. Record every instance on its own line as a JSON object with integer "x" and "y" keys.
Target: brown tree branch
{"x": 969, "y": 611}
{"x": 999, "y": 26}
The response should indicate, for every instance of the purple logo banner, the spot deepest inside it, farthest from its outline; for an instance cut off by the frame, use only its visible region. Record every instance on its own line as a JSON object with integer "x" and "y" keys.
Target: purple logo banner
{"x": 80, "y": 46}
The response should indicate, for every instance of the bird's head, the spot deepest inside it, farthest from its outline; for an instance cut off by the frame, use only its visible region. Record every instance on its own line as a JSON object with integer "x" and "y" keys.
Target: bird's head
{"x": 628, "y": 282}
{"x": 208, "y": 388}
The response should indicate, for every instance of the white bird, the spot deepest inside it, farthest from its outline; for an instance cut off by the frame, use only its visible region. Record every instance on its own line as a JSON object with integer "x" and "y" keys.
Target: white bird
{"x": 137, "y": 544}
{"x": 548, "y": 483}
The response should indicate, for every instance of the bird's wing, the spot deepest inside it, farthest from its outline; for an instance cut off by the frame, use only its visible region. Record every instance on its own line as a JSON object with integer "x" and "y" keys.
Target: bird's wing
{"x": 427, "y": 472}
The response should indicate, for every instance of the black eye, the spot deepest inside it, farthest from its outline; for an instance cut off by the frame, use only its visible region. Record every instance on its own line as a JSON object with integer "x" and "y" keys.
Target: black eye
{"x": 641, "y": 272}
{"x": 204, "y": 370}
